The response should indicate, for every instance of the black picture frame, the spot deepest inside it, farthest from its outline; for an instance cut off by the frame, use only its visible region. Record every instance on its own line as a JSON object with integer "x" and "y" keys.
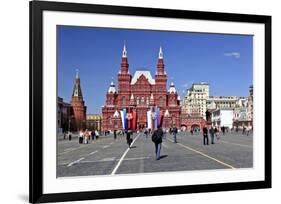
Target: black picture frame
{"x": 36, "y": 104}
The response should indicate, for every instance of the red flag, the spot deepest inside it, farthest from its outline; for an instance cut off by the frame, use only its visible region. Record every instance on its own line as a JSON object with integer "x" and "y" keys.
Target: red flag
{"x": 160, "y": 117}
{"x": 134, "y": 120}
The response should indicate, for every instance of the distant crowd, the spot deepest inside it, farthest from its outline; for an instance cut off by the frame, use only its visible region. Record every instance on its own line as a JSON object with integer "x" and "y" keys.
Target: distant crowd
{"x": 209, "y": 133}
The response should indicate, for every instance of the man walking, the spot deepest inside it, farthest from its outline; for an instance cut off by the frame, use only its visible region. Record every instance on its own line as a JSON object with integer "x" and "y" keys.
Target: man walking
{"x": 86, "y": 136}
{"x": 69, "y": 135}
{"x": 223, "y": 130}
{"x": 205, "y": 136}
{"x": 115, "y": 134}
{"x": 248, "y": 131}
{"x": 146, "y": 133}
{"x": 243, "y": 130}
{"x": 217, "y": 133}
{"x": 128, "y": 137}
{"x": 175, "y": 131}
{"x": 212, "y": 133}
{"x": 81, "y": 137}
{"x": 93, "y": 135}
{"x": 157, "y": 139}
{"x": 191, "y": 131}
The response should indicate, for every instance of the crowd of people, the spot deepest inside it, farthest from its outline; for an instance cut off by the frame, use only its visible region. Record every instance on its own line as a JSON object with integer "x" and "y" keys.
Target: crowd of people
{"x": 84, "y": 136}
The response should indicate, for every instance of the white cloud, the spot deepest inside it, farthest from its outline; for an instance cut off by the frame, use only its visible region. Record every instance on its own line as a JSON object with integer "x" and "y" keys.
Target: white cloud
{"x": 185, "y": 85}
{"x": 232, "y": 54}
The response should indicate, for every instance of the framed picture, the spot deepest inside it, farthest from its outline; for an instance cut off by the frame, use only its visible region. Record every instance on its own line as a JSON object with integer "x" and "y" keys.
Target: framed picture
{"x": 128, "y": 102}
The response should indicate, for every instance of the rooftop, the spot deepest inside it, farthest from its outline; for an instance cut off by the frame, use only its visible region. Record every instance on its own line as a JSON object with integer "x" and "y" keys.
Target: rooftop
{"x": 145, "y": 73}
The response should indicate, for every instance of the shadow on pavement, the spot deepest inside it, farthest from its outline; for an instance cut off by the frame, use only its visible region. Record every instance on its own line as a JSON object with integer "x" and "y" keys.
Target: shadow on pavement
{"x": 163, "y": 156}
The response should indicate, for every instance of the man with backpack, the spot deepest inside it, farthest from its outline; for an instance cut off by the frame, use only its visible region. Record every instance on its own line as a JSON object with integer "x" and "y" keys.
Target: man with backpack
{"x": 157, "y": 139}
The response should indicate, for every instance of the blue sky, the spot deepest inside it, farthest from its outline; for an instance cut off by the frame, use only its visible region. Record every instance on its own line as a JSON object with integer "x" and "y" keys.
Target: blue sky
{"x": 223, "y": 61}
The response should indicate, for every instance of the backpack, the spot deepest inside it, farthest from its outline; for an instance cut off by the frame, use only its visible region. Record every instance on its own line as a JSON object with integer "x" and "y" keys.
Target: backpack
{"x": 156, "y": 137}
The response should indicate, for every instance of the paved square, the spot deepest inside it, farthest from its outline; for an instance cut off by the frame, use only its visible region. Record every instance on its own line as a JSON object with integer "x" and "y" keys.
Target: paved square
{"x": 107, "y": 156}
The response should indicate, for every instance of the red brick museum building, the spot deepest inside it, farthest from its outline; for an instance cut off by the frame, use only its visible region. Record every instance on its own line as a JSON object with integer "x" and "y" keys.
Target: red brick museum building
{"x": 138, "y": 94}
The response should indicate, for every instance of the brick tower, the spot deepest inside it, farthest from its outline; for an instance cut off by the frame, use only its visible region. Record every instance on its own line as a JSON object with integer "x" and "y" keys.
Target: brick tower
{"x": 78, "y": 105}
{"x": 160, "y": 82}
{"x": 124, "y": 79}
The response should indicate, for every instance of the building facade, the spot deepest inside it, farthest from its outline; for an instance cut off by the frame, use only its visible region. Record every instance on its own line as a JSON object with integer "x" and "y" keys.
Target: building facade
{"x": 195, "y": 102}
{"x": 222, "y": 117}
{"x": 72, "y": 116}
{"x": 94, "y": 122}
{"x": 139, "y": 94}
{"x": 214, "y": 102}
{"x": 250, "y": 103}
{"x": 243, "y": 112}
{"x": 64, "y": 115}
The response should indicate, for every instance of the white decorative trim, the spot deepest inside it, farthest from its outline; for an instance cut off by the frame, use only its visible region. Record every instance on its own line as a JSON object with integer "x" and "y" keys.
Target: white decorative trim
{"x": 145, "y": 73}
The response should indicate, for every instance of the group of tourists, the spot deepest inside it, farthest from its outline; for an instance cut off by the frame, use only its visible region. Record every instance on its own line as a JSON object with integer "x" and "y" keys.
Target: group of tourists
{"x": 246, "y": 130}
{"x": 68, "y": 135}
{"x": 213, "y": 132}
{"x": 85, "y": 136}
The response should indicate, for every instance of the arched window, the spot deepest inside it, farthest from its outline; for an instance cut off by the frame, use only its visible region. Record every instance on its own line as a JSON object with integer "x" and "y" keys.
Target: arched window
{"x": 172, "y": 100}
{"x": 147, "y": 100}
{"x": 123, "y": 101}
{"x": 138, "y": 100}
{"x": 142, "y": 100}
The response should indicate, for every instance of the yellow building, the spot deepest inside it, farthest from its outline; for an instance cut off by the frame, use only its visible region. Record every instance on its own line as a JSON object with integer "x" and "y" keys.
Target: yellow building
{"x": 94, "y": 121}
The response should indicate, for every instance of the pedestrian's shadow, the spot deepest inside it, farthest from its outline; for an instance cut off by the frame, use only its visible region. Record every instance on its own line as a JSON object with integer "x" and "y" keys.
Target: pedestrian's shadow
{"x": 163, "y": 156}
{"x": 132, "y": 147}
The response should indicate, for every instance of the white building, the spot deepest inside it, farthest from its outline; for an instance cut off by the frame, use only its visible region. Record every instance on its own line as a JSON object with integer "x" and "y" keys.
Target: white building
{"x": 223, "y": 101}
{"x": 222, "y": 117}
{"x": 232, "y": 110}
{"x": 243, "y": 112}
{"x": 196, "y": 100}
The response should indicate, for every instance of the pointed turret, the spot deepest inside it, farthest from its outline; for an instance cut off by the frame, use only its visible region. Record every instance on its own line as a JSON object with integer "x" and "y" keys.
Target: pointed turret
{"x": 166, "y": 114}
{"x": 132, "y": 100}
{"x": 124, "y": 79}
{"x": 116, "y": 114}
{"x": 124, "y": 64}
{"x": 111, "y": 88}
{"x": 77, "y": 74}
{"x": 124, "y": 55}
{"x": 160, "y": 64}
{"x": 172, "y": 88}
{"x": 78, "y": 105}
{"x": 77, "y": 92}
{"x": 160, "y": 56}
